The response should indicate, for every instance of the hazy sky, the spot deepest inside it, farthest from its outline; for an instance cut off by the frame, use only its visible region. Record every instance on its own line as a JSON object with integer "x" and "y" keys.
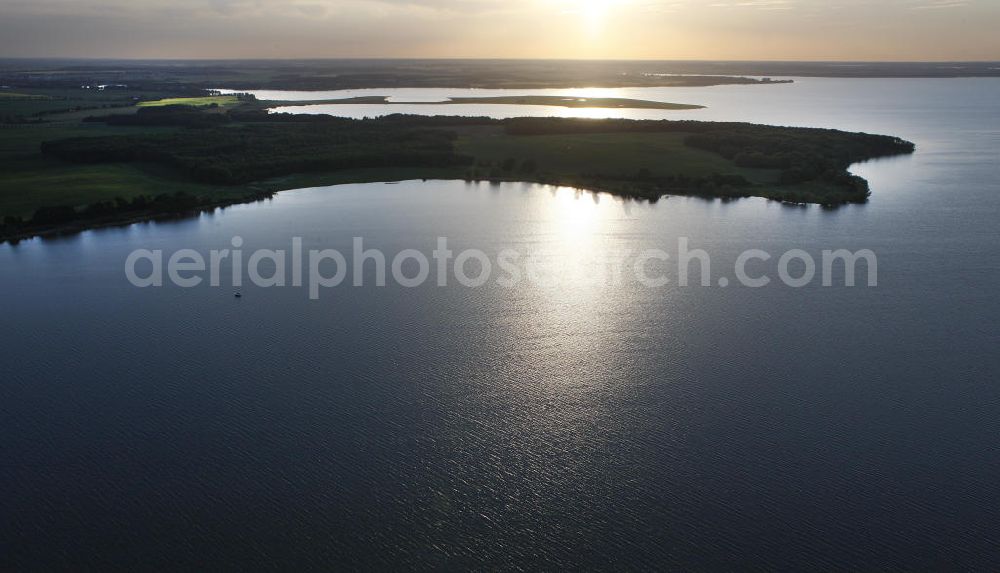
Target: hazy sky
{"x": 668, "y": 29}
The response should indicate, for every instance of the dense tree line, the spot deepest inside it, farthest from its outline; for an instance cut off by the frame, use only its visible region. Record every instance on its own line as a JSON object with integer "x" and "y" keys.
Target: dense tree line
{"x": 55, "y": 216}
{"x": 164, "y": 116}
{"x": 245, "y": 153}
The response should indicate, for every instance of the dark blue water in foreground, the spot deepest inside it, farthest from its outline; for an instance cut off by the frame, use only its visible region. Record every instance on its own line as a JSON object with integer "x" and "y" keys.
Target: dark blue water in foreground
{"x": 602, "y": 426}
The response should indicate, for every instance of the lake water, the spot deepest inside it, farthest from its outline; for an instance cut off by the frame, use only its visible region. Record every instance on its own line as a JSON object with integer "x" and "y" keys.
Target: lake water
{"x": 605, "y": 426}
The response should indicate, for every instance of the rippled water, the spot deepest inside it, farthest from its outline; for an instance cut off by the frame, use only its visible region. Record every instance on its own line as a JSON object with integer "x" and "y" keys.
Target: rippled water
{"x": 591, "y": 426}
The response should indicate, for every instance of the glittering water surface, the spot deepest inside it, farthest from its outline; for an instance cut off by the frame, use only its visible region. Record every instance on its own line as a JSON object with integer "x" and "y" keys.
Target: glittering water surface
{"x": 585, "y": 425}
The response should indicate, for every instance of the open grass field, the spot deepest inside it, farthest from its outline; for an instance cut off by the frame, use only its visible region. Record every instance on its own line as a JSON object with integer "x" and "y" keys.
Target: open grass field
{"x": 193, "y": 101}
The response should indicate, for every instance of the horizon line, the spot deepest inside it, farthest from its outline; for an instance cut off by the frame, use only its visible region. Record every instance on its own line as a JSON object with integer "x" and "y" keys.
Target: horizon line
{"x": 488, "y": 59}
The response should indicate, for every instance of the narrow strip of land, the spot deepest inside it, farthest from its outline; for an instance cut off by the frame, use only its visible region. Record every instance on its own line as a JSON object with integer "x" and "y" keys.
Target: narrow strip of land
{"x": 574, "y": 102}
{"x": 542, "y": 100}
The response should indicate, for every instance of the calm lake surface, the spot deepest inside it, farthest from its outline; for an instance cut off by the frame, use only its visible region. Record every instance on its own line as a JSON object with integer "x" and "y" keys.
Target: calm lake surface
{"x": 602, "y": 426}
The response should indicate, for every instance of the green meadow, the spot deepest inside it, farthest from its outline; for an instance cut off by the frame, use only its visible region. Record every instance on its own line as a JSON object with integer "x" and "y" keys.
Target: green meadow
{"x": 220, "y": 101}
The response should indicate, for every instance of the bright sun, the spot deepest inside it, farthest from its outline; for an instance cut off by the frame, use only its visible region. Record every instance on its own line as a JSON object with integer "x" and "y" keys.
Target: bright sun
{"x": 595, "y": 10}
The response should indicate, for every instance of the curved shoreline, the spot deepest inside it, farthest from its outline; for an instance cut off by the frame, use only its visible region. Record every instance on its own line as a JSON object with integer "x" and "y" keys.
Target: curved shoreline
{"x": 134, "y": 218}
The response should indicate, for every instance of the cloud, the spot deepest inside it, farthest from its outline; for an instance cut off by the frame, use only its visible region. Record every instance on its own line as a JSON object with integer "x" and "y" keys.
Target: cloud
{"x": 706, "y": 29}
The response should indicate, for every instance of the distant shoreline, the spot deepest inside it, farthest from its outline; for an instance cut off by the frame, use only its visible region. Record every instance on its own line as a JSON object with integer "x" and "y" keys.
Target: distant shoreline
{"x": 772, "y": 68}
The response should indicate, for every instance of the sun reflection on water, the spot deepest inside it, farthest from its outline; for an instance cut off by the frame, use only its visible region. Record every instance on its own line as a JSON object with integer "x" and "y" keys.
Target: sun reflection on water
{"x": 577, "y": 317}
{"x": 576, "y": 213}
